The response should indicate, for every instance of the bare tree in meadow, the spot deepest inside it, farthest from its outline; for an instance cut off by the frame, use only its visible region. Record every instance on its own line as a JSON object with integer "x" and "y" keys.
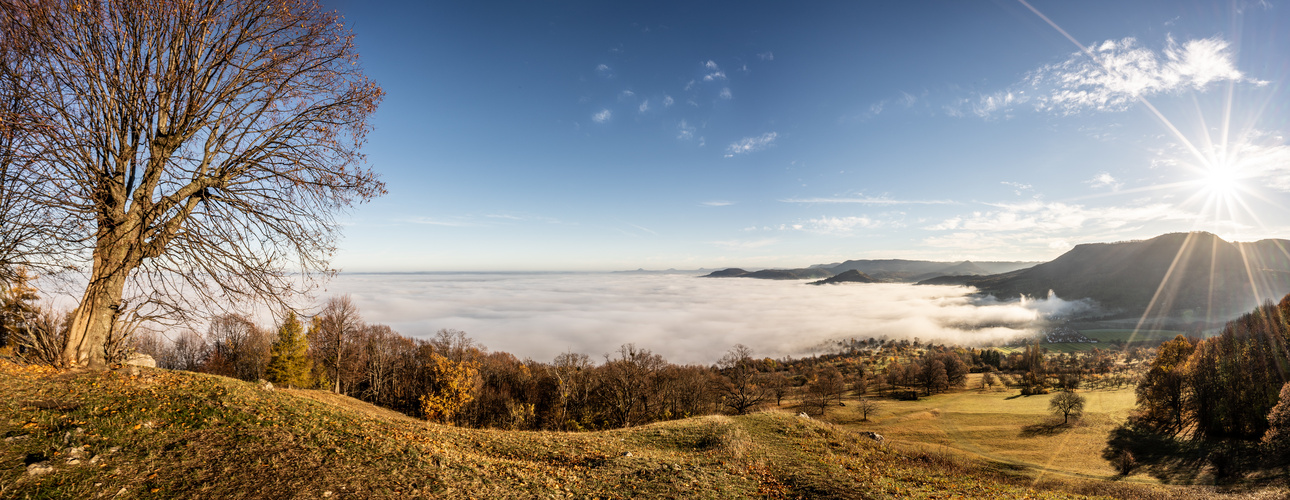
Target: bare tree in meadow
{"x": 189, "y": 152}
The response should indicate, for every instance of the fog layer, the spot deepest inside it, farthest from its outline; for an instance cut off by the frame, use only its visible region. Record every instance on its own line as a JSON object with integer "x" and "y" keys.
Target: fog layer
{"x": 685, "y": 318}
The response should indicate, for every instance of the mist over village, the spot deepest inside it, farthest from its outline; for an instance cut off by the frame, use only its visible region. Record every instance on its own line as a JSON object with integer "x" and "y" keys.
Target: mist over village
{"x": 340, "y": 249}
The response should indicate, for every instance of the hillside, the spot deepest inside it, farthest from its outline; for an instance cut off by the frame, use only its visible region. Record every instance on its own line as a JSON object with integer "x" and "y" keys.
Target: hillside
{"x": 164, "y": 434}
{"x": 851, "y": 276}
{"x": 915, "y": 270}
{"x": 1190, "y": 276}
{"x": 771, "y": 274}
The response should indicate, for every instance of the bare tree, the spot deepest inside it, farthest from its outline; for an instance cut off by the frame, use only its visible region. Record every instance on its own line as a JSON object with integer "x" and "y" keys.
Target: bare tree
{"x": 336, "y": 326}
{"x": 1066, "y": 403}
{"x": 866, "y": 407}
{"x": 197, "y": 150}
{"x": 625, "y": 384}
{"x": 742, "y": 388}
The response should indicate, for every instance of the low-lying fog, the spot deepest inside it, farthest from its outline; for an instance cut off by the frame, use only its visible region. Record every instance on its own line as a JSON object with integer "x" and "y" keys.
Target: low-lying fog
{"x": 685, "y": 318}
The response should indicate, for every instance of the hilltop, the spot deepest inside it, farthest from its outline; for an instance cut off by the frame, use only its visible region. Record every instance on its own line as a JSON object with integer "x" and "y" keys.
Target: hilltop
{"x": 164, "y": 434}
{"x": 1189, "y": 276}
{"x": 851, "y": 276}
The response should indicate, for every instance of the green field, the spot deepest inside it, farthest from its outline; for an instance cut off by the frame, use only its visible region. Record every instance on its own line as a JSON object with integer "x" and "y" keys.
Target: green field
{"x": 1104, "y": 338}
{"x": 1130, "y": 336}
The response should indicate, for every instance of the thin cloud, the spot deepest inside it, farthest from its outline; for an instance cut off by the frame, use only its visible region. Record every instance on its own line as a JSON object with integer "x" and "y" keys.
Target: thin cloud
{"x": 766, "y": 56}
{"x": 725, "y": 93}
{"x": 430, "y": 221}
{"x": 603, "y": 116}
{"x": 717, "y": 203}
{"x": 868, "y": 201}
{"x": 840, "y": 225}
{"x": 751, "y": 144}
{"x": 668, "y": 101}
{"x": 644, "y": 106}
{"x": 1105, "y": 180}
{"x": 1055, "y": 217}
{"x": 746, "y": 244}
{"x": 684, "y": 131}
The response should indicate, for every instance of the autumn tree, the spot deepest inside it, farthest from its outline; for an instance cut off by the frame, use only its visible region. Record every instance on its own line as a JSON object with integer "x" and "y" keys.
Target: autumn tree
{"x": 193, "y": 152}
{"x": 1278, "y": 433}
{"x": 1162, "y": 393}
{"x": 289, "y": 357}
{"x": 452, "y": 388}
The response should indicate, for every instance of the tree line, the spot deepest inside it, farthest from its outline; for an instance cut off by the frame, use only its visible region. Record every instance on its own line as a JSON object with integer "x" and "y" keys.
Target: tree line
{"x": 1221, "y": 404}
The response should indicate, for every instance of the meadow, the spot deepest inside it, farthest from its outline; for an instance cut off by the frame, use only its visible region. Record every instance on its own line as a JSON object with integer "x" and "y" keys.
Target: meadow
{"x": 164, "y": 434}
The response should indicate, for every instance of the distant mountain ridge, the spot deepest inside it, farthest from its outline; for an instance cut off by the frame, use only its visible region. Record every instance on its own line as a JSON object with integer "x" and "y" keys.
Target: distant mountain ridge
{"x": 879, "y": 271}
{"x": 900, "y": 270}
{"x": 1185, "y": 275}
{"x": 852, "y": 276}
{"x": 771, "y": 274}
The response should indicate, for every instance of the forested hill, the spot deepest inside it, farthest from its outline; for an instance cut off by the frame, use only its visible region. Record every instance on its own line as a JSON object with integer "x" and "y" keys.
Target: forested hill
{"x": 900, "y": 270}
{"x": 1195, "y": 274}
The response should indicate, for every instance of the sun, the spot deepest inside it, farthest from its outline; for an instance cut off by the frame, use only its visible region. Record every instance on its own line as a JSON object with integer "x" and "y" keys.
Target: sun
{"x": 1220, "y": 179}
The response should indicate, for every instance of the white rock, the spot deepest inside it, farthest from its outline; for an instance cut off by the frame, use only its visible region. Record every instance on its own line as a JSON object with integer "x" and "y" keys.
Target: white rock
{"x": 39, "y": 468}
{"x": 140, "y": 359}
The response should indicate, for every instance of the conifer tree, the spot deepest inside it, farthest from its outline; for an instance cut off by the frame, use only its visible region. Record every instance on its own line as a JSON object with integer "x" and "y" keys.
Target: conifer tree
{"x": 18, "y": 308}
{"x": 289, "y": 362}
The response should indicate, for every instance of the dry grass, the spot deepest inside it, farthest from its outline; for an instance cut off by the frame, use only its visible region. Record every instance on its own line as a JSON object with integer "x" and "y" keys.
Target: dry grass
{"x": 182, "y": 435}
{"x": 1023, "y": 440}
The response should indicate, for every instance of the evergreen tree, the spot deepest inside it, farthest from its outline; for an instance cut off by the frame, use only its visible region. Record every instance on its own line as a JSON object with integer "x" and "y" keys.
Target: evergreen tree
{"x": 289, "y": 362}
{"x": 18, "y": 308}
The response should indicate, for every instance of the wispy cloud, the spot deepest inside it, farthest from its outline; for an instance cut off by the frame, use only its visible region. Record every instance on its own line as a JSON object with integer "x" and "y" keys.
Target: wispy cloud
{"x": 1018, "y": 187}
{"x": 432, "y": 221}
{"x": 644, "y": 106}
{"x": 668, "y": 101}
{"x": 603, "y": 70}
{"x": 766, "y": 56}
{"x": 840, "y": 225}
{"x": 1105, "y": 180}
{"x": 866, "y": 200}
{"x": 603, "y": 116}
{"x": 717, "y": 203}
{"x": 1056, "y": 217}
{"x": 1111, "y": 77}
{"x": 751, "y": 144}
{"x": 1121, "y": 71}
{"x": 684, "y": 131}
{"x": 746, "y": 244}
{"x": 725, "y": 93}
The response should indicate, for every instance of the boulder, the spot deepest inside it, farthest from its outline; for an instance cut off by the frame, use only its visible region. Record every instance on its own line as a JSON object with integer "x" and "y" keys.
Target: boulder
{"x": 140, "y": 359}
{"x": 264, "y": 384}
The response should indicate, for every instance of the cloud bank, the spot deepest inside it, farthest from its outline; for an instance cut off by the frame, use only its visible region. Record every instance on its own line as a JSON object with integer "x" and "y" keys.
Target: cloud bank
{"x": 685, "y": 318}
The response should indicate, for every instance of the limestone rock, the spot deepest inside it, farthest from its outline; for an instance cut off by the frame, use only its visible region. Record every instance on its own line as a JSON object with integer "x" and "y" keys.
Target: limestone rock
{"x": 140, "y": 359}
{"x": 39, "y": 468}
{"x": 265, "y": 384}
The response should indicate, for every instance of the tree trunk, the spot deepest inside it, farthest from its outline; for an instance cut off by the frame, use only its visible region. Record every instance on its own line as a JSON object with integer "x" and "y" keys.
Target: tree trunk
{"x": 94, "y": 319}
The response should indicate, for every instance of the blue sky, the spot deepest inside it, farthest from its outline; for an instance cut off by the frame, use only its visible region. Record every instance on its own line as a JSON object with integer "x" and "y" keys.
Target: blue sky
{"x": 615, "y": 135}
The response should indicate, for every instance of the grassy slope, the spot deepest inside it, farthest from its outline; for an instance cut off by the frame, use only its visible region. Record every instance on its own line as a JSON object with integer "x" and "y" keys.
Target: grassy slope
{"x": 1018, "y": 433}
{"x": 185, "y": 435}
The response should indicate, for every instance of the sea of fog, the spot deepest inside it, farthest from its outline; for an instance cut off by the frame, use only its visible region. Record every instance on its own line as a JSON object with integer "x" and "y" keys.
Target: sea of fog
{"x": 685, "y": 318}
